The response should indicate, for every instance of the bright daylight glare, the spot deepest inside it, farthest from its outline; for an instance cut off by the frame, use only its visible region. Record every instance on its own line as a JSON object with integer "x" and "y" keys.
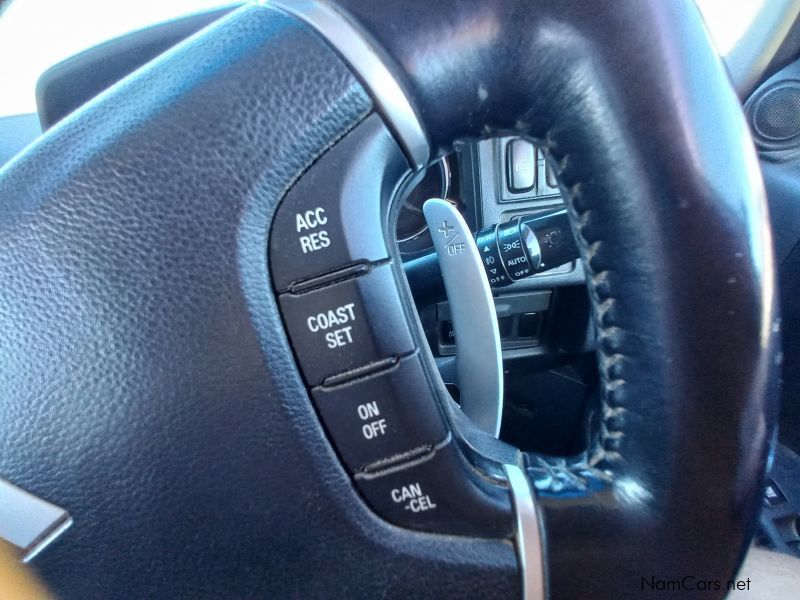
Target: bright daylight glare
{"x": 36, "y": 34}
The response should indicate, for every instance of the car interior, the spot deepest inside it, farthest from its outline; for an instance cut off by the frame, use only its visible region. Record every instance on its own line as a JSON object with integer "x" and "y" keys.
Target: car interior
{"x": 358, "y": 299}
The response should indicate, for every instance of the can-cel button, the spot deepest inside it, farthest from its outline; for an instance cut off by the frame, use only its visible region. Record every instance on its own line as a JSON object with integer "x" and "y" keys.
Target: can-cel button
{"x": 440, "y": 492}
{"x": 382, "y": 416}
{"x": 347, "y": 325}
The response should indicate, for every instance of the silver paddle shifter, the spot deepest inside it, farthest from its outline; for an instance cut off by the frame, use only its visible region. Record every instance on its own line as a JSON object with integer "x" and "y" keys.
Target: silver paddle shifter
{"x": 479, "y": 360}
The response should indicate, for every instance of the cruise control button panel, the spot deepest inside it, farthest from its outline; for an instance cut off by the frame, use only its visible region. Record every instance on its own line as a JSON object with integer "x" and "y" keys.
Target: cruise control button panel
{"x": 382, "y": 416}
{"x": 338, "y": 294}
{"x": 437, "y": 493}
{"x": 332, "y": 215}
{"x": 347, "y": 325}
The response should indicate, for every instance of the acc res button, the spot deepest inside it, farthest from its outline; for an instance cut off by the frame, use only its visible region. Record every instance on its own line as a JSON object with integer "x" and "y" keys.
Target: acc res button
{"x": 331, "y": 218}
{"x": 347, "y": 325}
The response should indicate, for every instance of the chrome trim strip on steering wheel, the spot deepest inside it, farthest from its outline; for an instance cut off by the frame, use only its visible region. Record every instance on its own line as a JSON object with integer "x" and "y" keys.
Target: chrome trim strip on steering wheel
{"x": 364, "y": 59}
{"x": 528, "y": 536}
{"x": 29, "y": 523}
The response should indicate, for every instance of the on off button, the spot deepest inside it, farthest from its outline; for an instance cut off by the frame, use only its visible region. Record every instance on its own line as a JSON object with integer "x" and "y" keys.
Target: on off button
{"x": 382, "y": 416}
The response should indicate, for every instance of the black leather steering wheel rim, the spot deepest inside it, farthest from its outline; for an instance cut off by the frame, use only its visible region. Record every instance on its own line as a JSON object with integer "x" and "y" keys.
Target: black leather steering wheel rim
{"x": 148, "y": 382}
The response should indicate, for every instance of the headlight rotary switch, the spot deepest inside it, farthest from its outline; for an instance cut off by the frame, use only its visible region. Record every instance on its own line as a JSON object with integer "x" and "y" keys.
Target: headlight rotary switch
{"x": 508, "y": 252}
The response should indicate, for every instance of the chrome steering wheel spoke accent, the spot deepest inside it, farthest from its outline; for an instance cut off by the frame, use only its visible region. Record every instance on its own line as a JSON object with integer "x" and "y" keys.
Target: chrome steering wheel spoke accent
{"x": 528, "y": 535}
{"x": 365, "y": 60}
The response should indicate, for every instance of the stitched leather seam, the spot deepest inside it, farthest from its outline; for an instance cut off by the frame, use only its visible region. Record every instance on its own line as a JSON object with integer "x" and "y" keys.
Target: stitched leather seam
{"x": 606, "y": 449}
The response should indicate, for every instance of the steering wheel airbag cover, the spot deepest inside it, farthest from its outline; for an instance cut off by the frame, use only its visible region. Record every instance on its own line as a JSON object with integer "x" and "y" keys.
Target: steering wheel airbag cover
{"x": 147, "y": 384}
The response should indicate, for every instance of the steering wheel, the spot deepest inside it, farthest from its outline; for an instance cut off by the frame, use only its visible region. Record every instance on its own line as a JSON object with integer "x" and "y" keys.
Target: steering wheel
{"x": 176, "y": 367}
